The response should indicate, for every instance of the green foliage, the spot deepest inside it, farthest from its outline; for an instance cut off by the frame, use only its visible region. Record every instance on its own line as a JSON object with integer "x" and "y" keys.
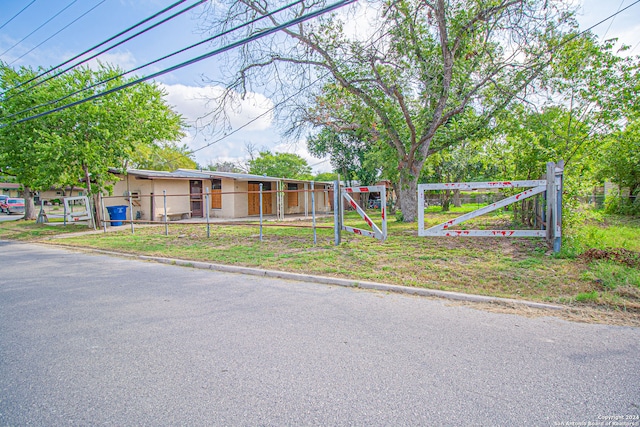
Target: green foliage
{"x": 620, "y": 162}
{"x": 163, "y": 156}
{"x": 433, "y": 76}
{"x": 223, "y": 167}
{"x": 282, "y": 165}
{"x": 326, "y": 176}
{"x": 86, "y": 140}
{"x": 348, "y": 153}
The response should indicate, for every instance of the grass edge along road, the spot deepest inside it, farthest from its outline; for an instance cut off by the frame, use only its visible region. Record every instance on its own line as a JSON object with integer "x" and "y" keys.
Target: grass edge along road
{"x": 596, "y": 276}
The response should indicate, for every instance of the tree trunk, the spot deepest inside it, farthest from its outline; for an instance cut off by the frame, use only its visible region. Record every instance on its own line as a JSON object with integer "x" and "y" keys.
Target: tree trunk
{"x": 408, "y": 198}
{"x": 456, "y": 198}
{"x": 91, "y": 197}
{"x": 29, "y": 206}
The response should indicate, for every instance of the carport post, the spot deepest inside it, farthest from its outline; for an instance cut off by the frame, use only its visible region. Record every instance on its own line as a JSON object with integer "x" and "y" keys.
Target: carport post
{"x": 260, "y": 211}
{"x": 206, "y": 202}
{"x": 166, "y": 226}
{"x": 313, "y": 212}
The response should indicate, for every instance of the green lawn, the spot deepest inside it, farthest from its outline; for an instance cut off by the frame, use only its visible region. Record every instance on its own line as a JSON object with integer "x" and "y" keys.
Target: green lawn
{"x": 520, "y": 268}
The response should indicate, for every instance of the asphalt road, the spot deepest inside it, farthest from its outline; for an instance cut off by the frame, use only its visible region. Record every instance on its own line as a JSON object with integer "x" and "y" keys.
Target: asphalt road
{"x": 5, "y": 217}
{"x": 89, "y": 339}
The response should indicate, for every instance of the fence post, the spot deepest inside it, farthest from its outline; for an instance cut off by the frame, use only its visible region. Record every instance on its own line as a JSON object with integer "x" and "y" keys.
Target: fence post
{"x": 557, "y": 229}
{"x": 131, "y": 212}
{"x": 166, "y": 225}
{"x": 104, "y": 222}
{"x": 260, "y": 203}
{"x": 306, "y": 200}
{"x": 206, "y": 206}
{"x": 337, "y": 202}
{"x": 313, "y": 211}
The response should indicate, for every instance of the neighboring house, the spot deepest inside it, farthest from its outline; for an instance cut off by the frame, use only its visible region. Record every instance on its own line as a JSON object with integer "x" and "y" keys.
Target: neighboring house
{"x": 233, "y": 195}
{"x": 59, "y": 193}
{"x": 11, "y": 189}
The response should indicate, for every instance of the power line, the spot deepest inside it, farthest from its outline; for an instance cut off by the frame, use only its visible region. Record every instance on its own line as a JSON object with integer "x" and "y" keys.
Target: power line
{"x": 144, "y": 21}
{"x": 144, "y": 65}
{"x": 326, "y": 74}
{"x": 180, "y": 12}
{"x": 298, "y": 92}
{"x": 42, "y": 25}
{"x": 17, "y": 14}
{"x": 611, "y": 23}
{"x": 56, "y": 33}
{"x": 606, "y": 19}
{"x": 223, "y": 49}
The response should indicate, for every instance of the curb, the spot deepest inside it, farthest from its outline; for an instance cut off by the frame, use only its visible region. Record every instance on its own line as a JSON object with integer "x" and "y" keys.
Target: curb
{"x": 457, "y": 296}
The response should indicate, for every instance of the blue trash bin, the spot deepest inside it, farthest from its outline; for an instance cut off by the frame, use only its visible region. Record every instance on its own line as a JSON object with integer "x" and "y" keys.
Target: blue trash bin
{"x": 117, "y": 214}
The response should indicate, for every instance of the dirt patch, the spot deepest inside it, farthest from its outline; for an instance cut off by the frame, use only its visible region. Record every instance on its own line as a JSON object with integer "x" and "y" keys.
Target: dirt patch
{"x": 582, "y": 314}
{"x": 619, "y": 255}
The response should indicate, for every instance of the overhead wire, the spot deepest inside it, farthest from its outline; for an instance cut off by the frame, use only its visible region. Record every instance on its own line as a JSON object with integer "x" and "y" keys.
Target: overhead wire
{"x": 148, "y": 63}
{"x": 56, "y": 33}
{"x": 41, "y": 25}
{"x": 218, "y": 51}
{"x": 611, "y": 23}
{"x": 326, "y": 74}
{"x": 17, "y": 14}
{"x": 131, "y": 37}
{"x": 287, "y": 99}
{"x": 110, "y": 39}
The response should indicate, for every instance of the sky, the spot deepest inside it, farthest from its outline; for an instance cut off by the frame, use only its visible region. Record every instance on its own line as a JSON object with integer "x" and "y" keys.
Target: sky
{"x": 48, "y": 32}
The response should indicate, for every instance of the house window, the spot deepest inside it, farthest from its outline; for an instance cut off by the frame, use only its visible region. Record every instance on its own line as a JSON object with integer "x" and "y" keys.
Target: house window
{"x": 292, "y": 198}
{"x": 216, "y": 194}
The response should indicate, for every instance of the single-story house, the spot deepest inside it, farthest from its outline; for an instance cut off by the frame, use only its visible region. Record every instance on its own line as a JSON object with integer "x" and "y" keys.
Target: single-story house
{"x": 59, "y": 193}
{"x": 11, "y": 189}
{"x": 232, "y": 195}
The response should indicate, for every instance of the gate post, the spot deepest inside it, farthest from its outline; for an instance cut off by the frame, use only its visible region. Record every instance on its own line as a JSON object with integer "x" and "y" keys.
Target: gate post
{"x": 337, "y": 202}
{"x": 557, "y": 226}
{"x": 551, "y": 205}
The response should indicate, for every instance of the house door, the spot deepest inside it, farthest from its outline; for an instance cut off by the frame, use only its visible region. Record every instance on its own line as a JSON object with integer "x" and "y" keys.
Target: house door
{"x": 254, "y": 198}
{"x": 195, "y": 195}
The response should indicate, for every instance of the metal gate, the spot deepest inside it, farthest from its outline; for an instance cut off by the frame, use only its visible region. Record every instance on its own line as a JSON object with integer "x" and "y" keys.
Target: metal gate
{"x": 379, "y": 233}
{"x": 552, "y": 186}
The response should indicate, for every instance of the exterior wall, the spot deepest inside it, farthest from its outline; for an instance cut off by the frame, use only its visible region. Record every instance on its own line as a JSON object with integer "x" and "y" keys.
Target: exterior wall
{"x": 177, "y": 196}
{"x": 10, "y": 189}
{"x": 323, "y": 203}
{"x": 59, "y": 194}
{"x": 299, "y": 208}
{"x": 228, "y": 199}
{"x": 241, "y": 201}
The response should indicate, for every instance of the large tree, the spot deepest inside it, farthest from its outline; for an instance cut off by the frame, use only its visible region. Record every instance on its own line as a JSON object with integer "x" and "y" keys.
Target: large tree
{"x": 284, "y": 165}
{"x": 81, "y": 142}
{"x": 403, "y": 80}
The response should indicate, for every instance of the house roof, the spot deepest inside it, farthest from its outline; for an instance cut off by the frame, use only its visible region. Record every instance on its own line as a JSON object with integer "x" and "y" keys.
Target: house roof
{"x": 200, "y": 174}
{"x": 233, "y": 175}
{"x": 10, "y": 185}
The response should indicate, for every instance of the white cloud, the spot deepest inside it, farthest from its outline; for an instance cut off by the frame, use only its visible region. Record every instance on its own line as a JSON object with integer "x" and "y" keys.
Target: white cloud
{"x": 300, "y": 148}
{"x": 196, "y": 103}
{"x": 125, "y": 60}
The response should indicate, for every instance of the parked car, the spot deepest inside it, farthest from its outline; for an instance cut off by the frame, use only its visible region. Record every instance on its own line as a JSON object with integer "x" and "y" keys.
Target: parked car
{"x": 13, "y": 205}
{"x": 3, "y": 199}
